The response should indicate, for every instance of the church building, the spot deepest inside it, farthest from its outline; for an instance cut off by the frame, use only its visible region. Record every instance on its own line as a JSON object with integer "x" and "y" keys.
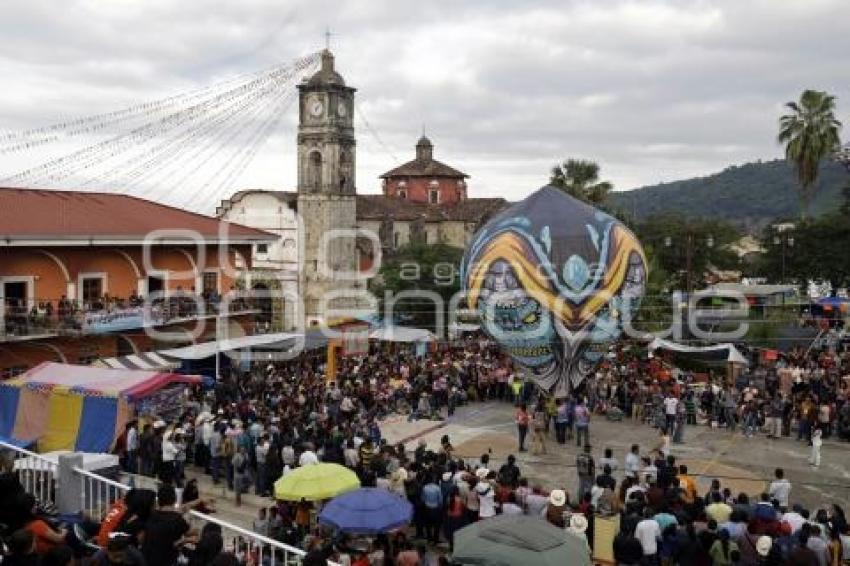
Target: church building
{"x": 322, "y": 225}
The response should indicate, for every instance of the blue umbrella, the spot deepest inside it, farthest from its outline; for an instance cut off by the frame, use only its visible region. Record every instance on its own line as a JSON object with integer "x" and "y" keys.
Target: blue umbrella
{"x": 367, "y": 511}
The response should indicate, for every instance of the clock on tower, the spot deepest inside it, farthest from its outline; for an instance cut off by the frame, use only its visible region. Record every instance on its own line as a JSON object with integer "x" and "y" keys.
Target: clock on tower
{"x": 326, "y": 133}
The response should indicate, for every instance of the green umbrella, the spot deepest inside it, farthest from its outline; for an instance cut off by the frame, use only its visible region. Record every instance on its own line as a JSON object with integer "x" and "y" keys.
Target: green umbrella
{"x": 510, "y": 540}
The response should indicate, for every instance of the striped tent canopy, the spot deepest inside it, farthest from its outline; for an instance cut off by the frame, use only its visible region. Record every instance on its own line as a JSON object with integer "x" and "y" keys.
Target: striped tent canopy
{"x": 69, "y": 407}
{"x": 144, "y": 361}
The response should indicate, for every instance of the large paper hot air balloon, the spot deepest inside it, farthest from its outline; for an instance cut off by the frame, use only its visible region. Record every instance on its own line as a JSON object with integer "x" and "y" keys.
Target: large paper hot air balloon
{"x": 554, "y": 280}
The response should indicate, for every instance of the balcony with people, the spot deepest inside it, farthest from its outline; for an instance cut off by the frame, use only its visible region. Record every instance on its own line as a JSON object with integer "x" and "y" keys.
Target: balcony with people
{"x": 21, "y": 318}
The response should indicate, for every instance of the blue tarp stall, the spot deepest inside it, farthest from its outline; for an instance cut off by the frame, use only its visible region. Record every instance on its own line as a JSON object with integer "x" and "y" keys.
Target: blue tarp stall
{"x": 93, "y": 435}
{"x": 9, "y": 397}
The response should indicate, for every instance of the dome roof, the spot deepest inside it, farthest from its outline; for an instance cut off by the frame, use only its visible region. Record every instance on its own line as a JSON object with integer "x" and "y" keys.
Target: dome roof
{"x": 327, "y": 74}
{"x": 424, "y": 142}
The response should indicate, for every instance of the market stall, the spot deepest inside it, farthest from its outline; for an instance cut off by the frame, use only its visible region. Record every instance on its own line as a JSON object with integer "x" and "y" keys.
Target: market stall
{"x": 83, "y": 408}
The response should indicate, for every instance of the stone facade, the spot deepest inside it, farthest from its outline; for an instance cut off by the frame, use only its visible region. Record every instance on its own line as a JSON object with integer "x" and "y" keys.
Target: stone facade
{"x": 326, "y": 191}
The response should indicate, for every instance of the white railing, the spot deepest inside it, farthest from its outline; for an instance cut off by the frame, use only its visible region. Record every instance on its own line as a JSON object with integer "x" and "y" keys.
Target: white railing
{"x": 35, "y": 472}
{"x": 98, "y": 493}
{"x": 264, "y": 551}
{"x": 38, "y": 476}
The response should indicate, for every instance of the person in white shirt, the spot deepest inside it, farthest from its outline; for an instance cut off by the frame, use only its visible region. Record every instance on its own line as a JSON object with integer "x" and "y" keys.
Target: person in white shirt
{"x": 308, "y": 458}
{"x": 794, "y": 518}
{"x": 609, "y": 460}
{"x": 169, "y": 452}
{"x": 632, "y": 462}
{"x": 649, "y": 471}
{"x": 595, "y": 493}
{"x": 260, "y": 452}
{"x": 671, "y": 404}
{"x": 486, "y": 499}
{"x": 817, "y": 442}
{"x": 132, "y": 462}
{"x": 780, "y": 489}
{"x": 648, "y": 533}
{"x": 350, "y": 454}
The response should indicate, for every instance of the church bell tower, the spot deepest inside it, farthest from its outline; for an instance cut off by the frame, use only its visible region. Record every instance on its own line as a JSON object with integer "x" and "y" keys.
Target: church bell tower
{"x": 326, "y": 188}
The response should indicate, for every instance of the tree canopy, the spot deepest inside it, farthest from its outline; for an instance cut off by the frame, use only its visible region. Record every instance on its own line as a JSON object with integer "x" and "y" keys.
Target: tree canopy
{"x": 580, "y": 179}
{"x": 431, "y": 268}
{"x": 810, "y": 133}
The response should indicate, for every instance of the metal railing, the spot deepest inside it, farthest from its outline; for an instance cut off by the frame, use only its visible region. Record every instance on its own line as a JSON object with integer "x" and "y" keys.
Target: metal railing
{"x": 36, "y": 473}
{"x": 98, "y": 493}
{"x": 264, "y": 551}
{"x": 47, "y": 316}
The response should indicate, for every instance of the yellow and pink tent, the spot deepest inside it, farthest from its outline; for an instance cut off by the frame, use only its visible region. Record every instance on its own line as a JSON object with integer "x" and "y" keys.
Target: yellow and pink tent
{"x": 69, "y": 407}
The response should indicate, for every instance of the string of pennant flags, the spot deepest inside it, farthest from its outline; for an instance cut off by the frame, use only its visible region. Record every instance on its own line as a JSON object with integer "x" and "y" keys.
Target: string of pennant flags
{"x": 141, "y": 165}
{"x": 177, "y": 138}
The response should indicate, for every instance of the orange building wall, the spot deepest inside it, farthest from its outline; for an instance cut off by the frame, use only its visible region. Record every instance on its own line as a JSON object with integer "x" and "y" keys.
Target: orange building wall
{"x": 121, "y": 278}
{"x": 51, "y": 284}
{"x": 49, "y": 281}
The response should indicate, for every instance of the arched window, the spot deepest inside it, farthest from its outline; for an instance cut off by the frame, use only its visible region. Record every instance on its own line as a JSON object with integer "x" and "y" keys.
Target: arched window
{"x": 345, "y": 170}
{"x": 402, "y": 193}
{"x": 314, "y": 170}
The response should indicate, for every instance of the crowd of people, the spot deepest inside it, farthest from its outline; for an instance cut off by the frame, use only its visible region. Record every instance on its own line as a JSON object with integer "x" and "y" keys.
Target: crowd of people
{"x": 256, "y": 427}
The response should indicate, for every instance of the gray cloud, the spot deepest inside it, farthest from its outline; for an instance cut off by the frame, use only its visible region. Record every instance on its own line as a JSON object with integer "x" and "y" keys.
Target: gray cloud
{"x": 652, "y": 90}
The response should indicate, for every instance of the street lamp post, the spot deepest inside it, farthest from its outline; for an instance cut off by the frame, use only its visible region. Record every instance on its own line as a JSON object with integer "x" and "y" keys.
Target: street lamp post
{"x": 786, "y": 241}
{"x": 690, "y": 245}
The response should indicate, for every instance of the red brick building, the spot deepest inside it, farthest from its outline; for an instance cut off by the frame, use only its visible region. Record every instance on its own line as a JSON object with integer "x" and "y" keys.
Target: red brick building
{"x": 94, "y": 275}
{"x": 425, "y": 179}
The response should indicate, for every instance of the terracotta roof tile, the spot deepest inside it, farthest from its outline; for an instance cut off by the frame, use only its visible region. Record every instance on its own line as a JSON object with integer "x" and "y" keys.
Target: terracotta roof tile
{"x": 55, "y": 214}
{"x": 424, "y": 168}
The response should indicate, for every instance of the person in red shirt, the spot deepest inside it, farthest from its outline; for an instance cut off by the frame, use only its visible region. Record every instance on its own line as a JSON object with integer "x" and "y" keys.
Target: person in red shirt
{"x": 45, "y": 536}
{"x": 112, "y": 519}
{"x": 522, "y": 425}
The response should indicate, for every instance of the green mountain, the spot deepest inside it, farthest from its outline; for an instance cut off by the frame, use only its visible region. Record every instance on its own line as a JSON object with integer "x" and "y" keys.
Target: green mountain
{"x": 749, "y": 195}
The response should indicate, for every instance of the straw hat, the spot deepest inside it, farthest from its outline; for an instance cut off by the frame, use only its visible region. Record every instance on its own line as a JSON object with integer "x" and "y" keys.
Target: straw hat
{"x": 763, "y": 545}
{"x": 578, "y": 523}
{"x": 399, "y": 475}
{"x": 558, "y": 498}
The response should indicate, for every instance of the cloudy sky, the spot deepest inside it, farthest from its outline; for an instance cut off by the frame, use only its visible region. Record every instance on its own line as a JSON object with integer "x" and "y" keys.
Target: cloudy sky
{"x": 653, "y": 91}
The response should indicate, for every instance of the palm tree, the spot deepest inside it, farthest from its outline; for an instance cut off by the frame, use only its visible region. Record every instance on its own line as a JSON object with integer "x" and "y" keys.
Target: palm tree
{"x": 580, "y": 178}
{"x": 810, "y": 134}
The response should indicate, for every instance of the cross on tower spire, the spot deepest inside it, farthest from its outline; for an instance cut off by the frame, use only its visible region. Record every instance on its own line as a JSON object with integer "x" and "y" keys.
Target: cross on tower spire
{"x": 328, "y": 35}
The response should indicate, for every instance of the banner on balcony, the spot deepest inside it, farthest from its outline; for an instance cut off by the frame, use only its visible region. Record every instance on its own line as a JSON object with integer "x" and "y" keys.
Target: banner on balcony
{"x": 121, "y": 319}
